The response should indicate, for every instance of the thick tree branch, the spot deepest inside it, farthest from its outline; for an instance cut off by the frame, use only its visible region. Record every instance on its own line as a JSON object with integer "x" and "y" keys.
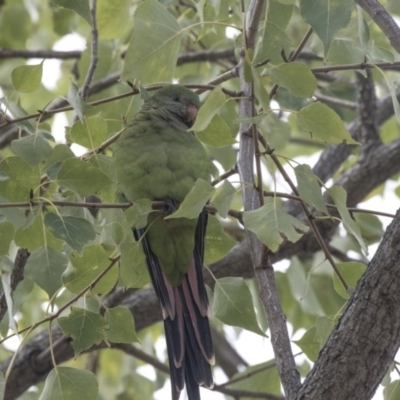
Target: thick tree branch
{"x": 365, "y": 340}
{"x": 384, "y": 20}
{"x": 252, "y": 200}
{"x": 17, "y": 275}
{"x": 334, "y": 155}
{"x": 369, "y": 132}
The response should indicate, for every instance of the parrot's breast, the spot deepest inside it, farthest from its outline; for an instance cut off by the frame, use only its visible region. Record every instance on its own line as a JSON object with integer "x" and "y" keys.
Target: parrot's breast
{"x": 159, "y": 162}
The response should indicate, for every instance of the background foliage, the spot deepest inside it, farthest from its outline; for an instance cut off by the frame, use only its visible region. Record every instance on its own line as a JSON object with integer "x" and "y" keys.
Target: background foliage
{"x": 307, "y": 86}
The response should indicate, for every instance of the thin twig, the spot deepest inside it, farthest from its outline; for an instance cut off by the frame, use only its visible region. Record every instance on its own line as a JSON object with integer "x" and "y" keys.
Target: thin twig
{"x": 66, "y": 305}
{"x": 225, "y": 175}
{"x": 141, "y": 355}
{"x": 335, "y": 101}
{"x": 310, "y": 218}
{"x": 46, "y": 54}
{"x": 238, "y": 393}
{"x": 205, "y": 55}
{"x": 94, "y": 53}
{"x": 45, "y": 113}
{"x": 158, "y": 205}
{"x": 293, "y": 57}
{"x": 348, "y": 67}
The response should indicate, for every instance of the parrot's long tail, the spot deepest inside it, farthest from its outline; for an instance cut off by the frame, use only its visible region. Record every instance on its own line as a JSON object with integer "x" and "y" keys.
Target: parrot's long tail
{"x": 185, "y": 312}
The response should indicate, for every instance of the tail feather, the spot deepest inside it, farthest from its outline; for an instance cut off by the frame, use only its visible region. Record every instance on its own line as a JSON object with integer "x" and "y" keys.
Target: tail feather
{"x": 199, "y": 257}
{"x": 199, "y": 323}
{"x": 197, "y": 340}
{"x": 192, "y": 386}
{"x": 185, "y": 310}
{"x": 161, "y": 286}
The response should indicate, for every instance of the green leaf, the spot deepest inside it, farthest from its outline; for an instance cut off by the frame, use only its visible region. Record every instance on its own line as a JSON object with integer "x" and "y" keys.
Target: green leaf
{"x": 324, "y": 329}
{"x": 154, "y": 45}
{"x": 75, "y": 100}
{"x": 112, "y": 233}
{"x": 217, "y": 133}
{"x": 351, "y": 272}
{"x": 86, "y": 268}
{"x": 137, "y": 387}
{"x": 91, "y": 132}
{"x": 137, "y": 214}
{"x": 392, "y": 391}
{"x": 115, "y": 27}
{"x": 194, "y": 201}
{"x": 217, "y": 242}
{"x": 6, "y": 235}
{"x": 265, "y": 381}
{"x": 323, "y": 123}
{"x": 61, "y": 152}
{"x": 302, "y": 289}
{"x": 22, "y": 179}
{"x": 215, "y": 100}
{"x": 81, "y": 7}
{"x": 342, "y": 51}
{"x": 371, "y": 227}
{"x": 81, "y": 177}
{"x": 396, "y": 105}
{"x": 32, "y": 149}
{"x": 274, "y": 41}
{"x": 86, "y": 328}
{"x": 272, "y": 224}
{"x": 296, "y": 77}
{"x": 76, "y": 232}
{"x": 121, "y": 326}
{"x": 45, "y": 267}
{"x": 16, "y": 111}
{"x": 326, "y": 17}
{"x": 27, "y": 78}
{"x": 260, "y": 91}
{"x": 247, "y": 70}
{"x": 309, "y": 344}
{"x": 233, "y": 304}
{"x": 280, "y": 12}
{"x": 309, "y": 188}
{"x": 70, "y": 384}
{"x": 339, "y": 197}
{"x": 33, "y": 233}
{"x": 2, "y": 385}
{"x": 133, "y": 268}
{"x": 223, "y": 197}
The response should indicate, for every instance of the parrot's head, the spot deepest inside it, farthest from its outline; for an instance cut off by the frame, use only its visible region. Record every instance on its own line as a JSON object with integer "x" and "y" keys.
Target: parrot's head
{"x": 179, "y": 102}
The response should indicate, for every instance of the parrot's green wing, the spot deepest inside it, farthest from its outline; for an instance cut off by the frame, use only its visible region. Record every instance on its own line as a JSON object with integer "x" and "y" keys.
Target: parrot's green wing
{"x": 158, "y": 158}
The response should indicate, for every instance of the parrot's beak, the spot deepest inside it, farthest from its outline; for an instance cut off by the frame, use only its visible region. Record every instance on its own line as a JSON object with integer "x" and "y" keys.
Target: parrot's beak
{"x": 191, "y": 113}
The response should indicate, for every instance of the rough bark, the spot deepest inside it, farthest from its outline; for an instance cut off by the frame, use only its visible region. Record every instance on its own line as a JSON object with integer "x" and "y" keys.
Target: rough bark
{"x": 365, "y": 340}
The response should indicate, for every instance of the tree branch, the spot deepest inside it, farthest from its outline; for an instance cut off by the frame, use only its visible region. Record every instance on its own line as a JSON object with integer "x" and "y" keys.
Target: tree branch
{"x": 259, "y": 253}
{"x": 17, "y": 275}
{"x": 384, "y": 20}
{"x": 351, "y": 364}
{"x": 94, "y": 59}
{"x": 47, "y": 54}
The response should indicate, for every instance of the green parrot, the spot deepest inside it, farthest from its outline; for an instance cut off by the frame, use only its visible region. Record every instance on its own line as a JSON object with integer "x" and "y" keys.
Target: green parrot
{"x": 158, "y": 158}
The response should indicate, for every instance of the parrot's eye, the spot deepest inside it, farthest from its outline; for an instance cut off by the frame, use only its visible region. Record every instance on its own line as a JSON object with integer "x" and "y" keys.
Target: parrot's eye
{"x": 176, "y": 98}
